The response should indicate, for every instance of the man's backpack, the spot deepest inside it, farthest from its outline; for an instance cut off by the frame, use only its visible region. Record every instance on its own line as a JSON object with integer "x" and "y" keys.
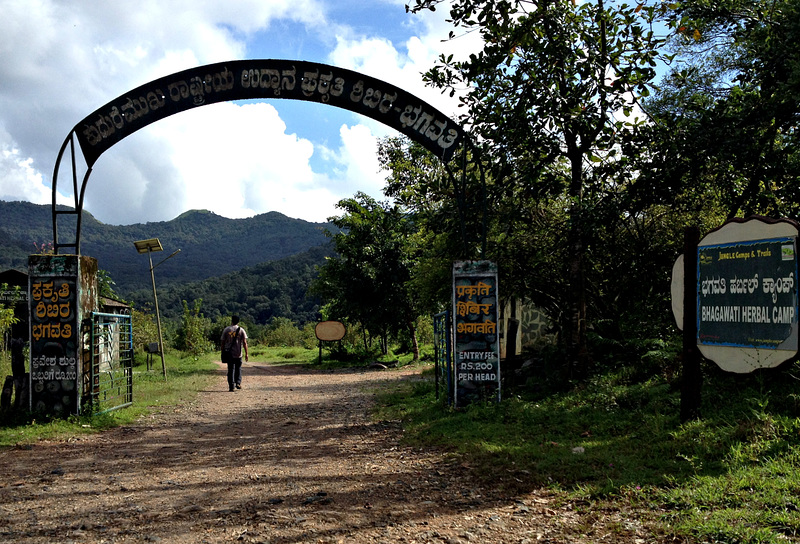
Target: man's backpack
{"x": 227, "y": 345}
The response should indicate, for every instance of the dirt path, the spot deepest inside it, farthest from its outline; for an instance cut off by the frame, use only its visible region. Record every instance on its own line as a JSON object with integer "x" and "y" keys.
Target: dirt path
{"x": 292, "y": 457}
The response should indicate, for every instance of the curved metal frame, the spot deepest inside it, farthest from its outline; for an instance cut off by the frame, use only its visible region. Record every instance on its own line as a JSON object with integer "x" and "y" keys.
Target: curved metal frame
{"x": 77, "y": 195}
{"x": 249, "y": 79}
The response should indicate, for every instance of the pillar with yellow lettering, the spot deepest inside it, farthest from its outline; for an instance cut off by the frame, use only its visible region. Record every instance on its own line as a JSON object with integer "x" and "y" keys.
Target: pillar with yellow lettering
{"x": 62, "y": 292}
{"x": 477, "y": 346}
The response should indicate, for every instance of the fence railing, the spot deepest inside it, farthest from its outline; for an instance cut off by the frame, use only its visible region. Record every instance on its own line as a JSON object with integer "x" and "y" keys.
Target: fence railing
{"x": 108, "y": 363}
{"x": 443, "y": 349}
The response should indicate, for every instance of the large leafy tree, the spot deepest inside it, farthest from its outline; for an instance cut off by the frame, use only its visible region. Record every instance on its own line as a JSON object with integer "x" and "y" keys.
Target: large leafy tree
{"x": 367, "y": 281}
{"x": 548, "y": 100}
{"x": 726, "y": 131}
{"x": 432, "y": 196}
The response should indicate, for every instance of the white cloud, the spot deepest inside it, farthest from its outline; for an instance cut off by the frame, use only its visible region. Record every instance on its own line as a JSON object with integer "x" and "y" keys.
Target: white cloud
{"x": 61, "y": 60}
{"x": 235, "y": 159}
{"x": 19, "y": 180}
{"x": 403, "y": 64}
{"x": 359, "y": 156}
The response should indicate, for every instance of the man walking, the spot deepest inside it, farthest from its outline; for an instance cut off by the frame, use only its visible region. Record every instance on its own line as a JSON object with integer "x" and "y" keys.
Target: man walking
{"x": 234, "y": 338}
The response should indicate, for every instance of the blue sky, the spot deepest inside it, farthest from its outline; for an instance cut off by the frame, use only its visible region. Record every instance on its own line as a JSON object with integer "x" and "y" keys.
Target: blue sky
{"x": 61, "y": 60}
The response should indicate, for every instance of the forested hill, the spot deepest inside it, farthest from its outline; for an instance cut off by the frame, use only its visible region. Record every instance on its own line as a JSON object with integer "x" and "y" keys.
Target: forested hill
{"x": 257, "y": 294}
{"x": 211, "y": 245}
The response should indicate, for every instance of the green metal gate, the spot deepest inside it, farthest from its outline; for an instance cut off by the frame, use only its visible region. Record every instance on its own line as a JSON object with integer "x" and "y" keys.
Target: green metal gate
{"x": 443, "y": 349}
{"x": 108, "y": 363}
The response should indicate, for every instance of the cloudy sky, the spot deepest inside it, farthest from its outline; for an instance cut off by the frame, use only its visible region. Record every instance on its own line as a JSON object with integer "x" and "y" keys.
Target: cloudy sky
{"x": 62, "y": 60}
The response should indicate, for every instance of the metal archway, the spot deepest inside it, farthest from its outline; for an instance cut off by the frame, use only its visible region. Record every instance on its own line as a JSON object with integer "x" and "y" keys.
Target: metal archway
{"x": 242, "y": 80}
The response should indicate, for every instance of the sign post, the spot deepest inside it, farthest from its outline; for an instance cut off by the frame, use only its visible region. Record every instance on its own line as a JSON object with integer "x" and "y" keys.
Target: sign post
{"x": 747, "y": 297}
{"x": 328, "y": 331}
{"x": 62, "y": 291}
{"x": 477, "y": 349}
{"x": 692, "y": 377}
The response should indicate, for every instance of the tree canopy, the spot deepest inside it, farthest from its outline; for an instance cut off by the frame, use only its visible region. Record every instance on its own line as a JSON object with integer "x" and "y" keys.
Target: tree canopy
{"x": 367, "y": 281}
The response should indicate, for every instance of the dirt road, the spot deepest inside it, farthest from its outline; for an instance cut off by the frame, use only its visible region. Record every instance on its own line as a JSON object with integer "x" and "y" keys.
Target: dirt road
{"x": 292, "y": 457}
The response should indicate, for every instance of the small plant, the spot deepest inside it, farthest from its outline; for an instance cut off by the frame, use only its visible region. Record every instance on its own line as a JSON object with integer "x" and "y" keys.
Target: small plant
{"x": 288, "y": 354}
{"x": 45, "y": 248}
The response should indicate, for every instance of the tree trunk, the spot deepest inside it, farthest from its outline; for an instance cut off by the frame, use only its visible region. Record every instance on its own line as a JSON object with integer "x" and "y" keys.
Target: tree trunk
{"x": 576, "y": 344}
{"x": 384, "y": 343}
{"x": 412, "y": 331}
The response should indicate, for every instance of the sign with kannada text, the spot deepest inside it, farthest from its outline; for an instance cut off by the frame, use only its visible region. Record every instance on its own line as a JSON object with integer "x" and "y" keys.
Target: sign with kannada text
{"x": 747, "y": 294}
{"x": 477, "y": 348}
{"x": 54, "y": 334}
{"x": 268, "y": 78}
{"x": 746, "y": 301}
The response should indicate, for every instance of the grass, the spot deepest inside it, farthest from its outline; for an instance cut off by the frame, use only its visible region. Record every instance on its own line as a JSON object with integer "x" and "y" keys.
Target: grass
{"x": 614, "y": 442}
{"x": 731, "y": 476}
{"x": 186, "y": 375}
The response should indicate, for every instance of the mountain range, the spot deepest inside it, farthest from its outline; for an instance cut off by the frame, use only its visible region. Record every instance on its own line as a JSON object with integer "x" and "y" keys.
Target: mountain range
{"x": 214, "y": 250}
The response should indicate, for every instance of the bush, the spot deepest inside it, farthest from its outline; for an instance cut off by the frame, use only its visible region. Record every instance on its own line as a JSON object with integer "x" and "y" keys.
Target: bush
{"x": 193, "y": 334}
{"x": 145, "y": 329}
{"x": 283, "y": 333}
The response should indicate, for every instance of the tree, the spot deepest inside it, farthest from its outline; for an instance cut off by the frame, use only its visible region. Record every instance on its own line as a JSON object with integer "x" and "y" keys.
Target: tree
{"x": 367, "y": 281}
{"x": 193, "y": 334}
{"x": 548, "y": 99}
{"x": 145, "y": 330}
{"x": 426, "y": 191}
{"x": 727, "y": 113}
{"x": 7, "y": 318}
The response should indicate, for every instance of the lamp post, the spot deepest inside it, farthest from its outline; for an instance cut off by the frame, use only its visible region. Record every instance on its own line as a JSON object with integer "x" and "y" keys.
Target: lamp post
{"x": 149, "y": 246}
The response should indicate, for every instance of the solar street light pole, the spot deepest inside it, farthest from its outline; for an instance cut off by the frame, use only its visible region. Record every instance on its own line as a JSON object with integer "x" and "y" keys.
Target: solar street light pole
{"x": 150, "y": 245}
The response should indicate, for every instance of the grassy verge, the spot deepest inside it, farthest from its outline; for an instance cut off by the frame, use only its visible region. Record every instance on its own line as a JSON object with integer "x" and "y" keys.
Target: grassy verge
{"x": 186, "y": 375}
{"x": 299, "y": 355}
{"x": 730, "y": 477}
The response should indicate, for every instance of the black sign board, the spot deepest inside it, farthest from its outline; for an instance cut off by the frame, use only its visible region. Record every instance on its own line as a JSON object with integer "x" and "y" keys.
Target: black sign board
{"x": 267, "y": 78}
{"x": 55, "y": 329}
{"x": 747, "y": 294}
{"x": 477, "y": 347}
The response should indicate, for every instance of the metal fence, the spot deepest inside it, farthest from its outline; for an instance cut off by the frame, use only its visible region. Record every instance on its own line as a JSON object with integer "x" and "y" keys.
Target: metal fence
{"x": 442, "y": 338}
{"x": 108, "y": 363}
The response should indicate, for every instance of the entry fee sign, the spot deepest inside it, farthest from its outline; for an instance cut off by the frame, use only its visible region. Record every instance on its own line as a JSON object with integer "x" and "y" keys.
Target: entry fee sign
{"x": 747, "y": 294}
{"x": 477, "y": 349}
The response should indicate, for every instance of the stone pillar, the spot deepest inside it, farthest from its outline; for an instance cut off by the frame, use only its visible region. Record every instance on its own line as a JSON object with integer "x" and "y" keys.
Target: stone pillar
{"x": 62, "y": 293}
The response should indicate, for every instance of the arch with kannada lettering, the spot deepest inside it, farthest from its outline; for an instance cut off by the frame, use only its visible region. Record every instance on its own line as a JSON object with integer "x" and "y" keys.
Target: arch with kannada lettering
{"x": 242, "y": 80}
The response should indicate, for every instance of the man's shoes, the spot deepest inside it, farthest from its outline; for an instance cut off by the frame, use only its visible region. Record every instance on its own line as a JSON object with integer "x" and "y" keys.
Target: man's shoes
{"x": 231, "y": 389}
{"x": 238, "y": 386}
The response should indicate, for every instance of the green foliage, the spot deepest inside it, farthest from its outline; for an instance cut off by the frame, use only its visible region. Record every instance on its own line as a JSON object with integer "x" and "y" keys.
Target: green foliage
{"x": 7, "y": 317}
{"x": 367, "y": 281}
{"x": 256, "y": 294}
{"x": 727, "y": 112}
{"x": 145, "y": 329}
{"x": 549, "y": 100}
{"x": 283, "y": 333}
{"x": 616, "y": 443}
{"x": 309, "y": 336}
{"x": 356, "y": 344}
{"x": 106, "y": 285}
{"x": 193, "y": 335}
